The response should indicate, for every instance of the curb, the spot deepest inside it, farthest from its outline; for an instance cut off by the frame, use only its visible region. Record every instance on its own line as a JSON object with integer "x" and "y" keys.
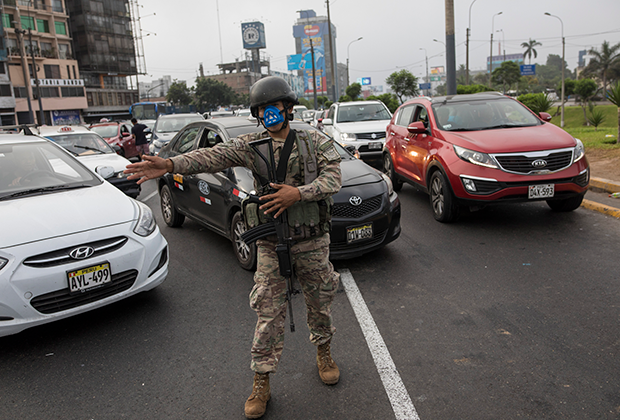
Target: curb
{"x": 602, "y": 185}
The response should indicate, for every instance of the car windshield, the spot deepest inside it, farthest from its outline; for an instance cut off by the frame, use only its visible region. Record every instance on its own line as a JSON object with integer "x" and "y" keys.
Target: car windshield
{"x": 363, "y": 112}
{"x": 478, "y": 115}
{"x": 82, "y": 144}
{"x": 175, "y": 124}
{"x": 105, "y": 130}
{"x": 39, "y": 168}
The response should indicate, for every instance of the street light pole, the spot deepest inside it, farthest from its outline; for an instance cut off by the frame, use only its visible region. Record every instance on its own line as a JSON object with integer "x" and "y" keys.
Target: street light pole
{"x": 491, "y": 53}
{"x": 20, "y": 40}
{"x": 563, "y": 65}
{"x": 36, "y": 79}
{"x": 467, "y": 45}
{"x": 426, "y": 56}
{"x": 348, "y": 84}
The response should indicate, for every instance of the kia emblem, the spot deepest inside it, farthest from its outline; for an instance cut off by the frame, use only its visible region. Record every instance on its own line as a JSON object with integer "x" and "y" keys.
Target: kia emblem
{"x": 81, "y": 252}
{"x": 539, "y": 163}
{"x": 355, "y": 200}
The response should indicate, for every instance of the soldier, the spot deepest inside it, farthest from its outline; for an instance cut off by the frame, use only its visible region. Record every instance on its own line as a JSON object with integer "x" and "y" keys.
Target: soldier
{"x": 312, "y": 177}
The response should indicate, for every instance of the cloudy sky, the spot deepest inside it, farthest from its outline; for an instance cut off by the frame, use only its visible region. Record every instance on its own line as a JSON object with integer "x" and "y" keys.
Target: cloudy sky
{"x": 179, "y": 35}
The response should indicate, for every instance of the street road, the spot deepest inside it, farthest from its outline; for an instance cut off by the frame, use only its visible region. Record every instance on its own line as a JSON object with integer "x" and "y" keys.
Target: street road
{"x": 512, "y": 312}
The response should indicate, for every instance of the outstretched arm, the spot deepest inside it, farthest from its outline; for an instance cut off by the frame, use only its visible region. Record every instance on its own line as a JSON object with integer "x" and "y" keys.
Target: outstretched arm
{"x": 151, "y": 167}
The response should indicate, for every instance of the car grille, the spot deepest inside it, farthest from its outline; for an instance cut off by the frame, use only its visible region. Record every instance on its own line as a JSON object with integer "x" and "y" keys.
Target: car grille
{"x": 348, "y": 211}
{"x": 61, "y": 256}
{"x": 369, "y": 136}
{"x": 522, "y": 163}
{"x": 61, "y": 300}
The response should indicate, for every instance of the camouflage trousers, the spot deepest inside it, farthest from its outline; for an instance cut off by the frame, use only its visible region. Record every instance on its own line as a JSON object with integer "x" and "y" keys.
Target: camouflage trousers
{"x": 319, "y": 283}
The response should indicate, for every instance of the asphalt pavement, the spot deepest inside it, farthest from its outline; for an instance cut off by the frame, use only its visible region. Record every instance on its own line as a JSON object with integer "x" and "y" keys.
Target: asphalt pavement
{"x": 598, "y": 197}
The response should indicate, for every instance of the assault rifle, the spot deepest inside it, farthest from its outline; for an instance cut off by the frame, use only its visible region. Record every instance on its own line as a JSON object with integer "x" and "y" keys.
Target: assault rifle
{"x": 277, "y": 226}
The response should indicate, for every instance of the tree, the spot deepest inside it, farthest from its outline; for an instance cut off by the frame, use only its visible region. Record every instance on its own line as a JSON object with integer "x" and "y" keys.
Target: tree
{"x": 210, "y": 94}
{"x": 389, "y": 99}
{"x": 585, "y": 89}
{"x": 614, "y": 97}
{"x": 353, "y": 90}
{"x": 179, "y": 93}
{"x": 506, "y": 74}
{"x": 537, "y": 102}
{"x": 603, "y": 61}
{"x": 466, "y": 89}
{"x": 529, "y": 49}
{"x": 403, "y": 84}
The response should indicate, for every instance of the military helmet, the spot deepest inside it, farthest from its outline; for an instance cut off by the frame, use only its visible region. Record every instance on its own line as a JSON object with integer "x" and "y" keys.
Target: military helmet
{"x": 268, "y": 90}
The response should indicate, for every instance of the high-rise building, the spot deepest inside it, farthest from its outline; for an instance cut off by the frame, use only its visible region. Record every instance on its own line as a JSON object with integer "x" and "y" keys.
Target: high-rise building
{"x": 104, "y": 47}
{"x": 37, "y": 31}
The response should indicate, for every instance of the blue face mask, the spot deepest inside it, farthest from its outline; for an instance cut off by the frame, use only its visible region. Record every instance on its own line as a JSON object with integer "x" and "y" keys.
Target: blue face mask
{"x": 272, "y": 116}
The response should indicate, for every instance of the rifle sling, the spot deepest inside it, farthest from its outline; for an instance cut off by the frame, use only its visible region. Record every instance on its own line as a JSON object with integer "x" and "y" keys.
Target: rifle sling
{"x": 286, "y": 153}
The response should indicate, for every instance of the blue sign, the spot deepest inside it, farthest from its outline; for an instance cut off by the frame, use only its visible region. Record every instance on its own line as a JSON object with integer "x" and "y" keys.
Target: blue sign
{"x": 66, "y": 117}
{"x": 528, "y": 69}
{"x": 293, "y": 62}
{"x": 364, "y": 81}
{"x": 253, "y": 35}
{"x": 425, "y": 86}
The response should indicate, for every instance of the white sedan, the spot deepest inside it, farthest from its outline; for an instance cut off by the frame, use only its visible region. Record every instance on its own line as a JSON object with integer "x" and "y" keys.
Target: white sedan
{"x": 70, "y": 241}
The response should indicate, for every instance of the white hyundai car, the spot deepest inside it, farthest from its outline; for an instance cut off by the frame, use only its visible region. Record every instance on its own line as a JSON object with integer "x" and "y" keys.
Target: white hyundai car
{"x": 93, "y": 151}
{"x": 70, "y": 242}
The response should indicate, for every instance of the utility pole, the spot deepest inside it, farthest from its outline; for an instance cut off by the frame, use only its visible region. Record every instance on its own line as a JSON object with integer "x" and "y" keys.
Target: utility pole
{"x": 20, "y": 40}
{"x": 313, "y": 72}
{"x": 332, "y": 57}
{"x": 36, "y": 79}
{"x": 467, "y": 45}
{"x": 450, "y": 53}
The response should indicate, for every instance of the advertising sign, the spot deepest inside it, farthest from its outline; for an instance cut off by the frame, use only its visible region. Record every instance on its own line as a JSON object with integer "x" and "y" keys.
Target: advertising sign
{"x": 528, "y": 69}
{"x": 364, "y": 81}
{"x": 68, "y": 117}
{"x": 253, "y": 35}
{"x": 315, "y": 33}
{"x": 437, "y": 70}
{"x": 293, "y": 62}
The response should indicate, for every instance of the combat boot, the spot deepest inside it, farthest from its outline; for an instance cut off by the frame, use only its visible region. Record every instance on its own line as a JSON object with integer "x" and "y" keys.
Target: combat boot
{"x": 328, "y": 371}
{"x": 256, "y": 404}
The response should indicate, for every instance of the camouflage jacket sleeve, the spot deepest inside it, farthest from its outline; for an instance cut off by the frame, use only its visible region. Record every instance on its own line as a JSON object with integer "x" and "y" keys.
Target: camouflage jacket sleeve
{"x": 214, "y": 159}
{"x": 329, "y": 178}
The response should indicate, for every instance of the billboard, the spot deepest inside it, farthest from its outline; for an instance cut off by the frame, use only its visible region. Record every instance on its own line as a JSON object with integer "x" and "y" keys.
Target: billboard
{"x": 253, "y": 35}
{"x": 437, "y": 70}
{"x": 315, "y": 33}
{"x": 364, "y": 81}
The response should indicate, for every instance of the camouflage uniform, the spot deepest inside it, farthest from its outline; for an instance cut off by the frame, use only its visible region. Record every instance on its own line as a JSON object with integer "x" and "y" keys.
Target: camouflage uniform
{"x": 314, "y": 271}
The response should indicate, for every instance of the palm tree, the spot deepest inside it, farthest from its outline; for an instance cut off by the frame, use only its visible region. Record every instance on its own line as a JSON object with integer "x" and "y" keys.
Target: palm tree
{"x": 529, "y": 48}
{"x": 614, "y": 97}
{"x": 603, "y": 60}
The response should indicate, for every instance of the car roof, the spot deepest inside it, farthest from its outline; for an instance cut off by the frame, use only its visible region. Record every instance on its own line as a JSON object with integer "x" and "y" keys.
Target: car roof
{"x": 357, "y": 102}
{"x": 480, "y": 96}
{"x": 166, "y": 116}
{"x": 20, "y": 138}
{"x": 64, "y": 129}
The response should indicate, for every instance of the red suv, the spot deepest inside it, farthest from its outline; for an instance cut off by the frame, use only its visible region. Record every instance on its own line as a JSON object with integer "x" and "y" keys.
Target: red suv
{"x": 473, "y": 150}
{"x": 117, "y": 134}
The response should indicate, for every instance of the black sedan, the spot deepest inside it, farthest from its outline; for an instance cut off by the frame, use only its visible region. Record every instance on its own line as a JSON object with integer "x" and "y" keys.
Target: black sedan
{"x": 366, "y": 213}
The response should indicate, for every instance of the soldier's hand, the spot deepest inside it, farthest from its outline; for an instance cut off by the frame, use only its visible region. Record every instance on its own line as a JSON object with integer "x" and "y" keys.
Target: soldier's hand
{"x": 283, "y": 198}
{"x": 151, "y": 167}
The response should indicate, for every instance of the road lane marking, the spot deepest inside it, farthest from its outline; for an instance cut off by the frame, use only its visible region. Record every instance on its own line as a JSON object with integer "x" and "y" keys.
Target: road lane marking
{"x": 148, "y": 197}
{"x": 392, "y": 382}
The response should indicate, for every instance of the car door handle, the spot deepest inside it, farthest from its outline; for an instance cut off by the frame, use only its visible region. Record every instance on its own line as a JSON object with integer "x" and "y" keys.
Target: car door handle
{"x": 392, "y": 134}
{"x": 403, "y": 146}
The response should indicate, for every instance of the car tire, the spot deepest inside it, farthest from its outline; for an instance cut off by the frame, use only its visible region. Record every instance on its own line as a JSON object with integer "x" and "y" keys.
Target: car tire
{"x": 443, "y": 203}
{"x": 388, "y": 169}
{"x": 246, "y": 254}
{"x": 568, "y": 204}
{"x": 168, "y": 210}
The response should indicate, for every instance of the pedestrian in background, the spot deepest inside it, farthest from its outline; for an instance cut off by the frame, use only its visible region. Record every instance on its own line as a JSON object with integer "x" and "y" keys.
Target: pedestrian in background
{"x": 142, "y": 144}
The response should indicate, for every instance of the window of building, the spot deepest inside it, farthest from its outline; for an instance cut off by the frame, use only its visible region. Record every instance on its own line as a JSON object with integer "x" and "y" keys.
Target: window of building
{"x": 28, "y": 23}
{"x": 64, "y": 53}
{"x": 89, "y": 99}
{"x": 61, "y": 28}
{"x": 7, "y": 20}
{"x": 57, "y": 6}
{"x": 5, "y": 90}
{"x": 43, "y": 26}
{"x": 34, "y": 45}
{"x": 72, "y": 91}
{"x": 110, "y": 99}
{"x": 2, "y": 68}
{"x": 46, "y": 92}
{"x": 100, "y": 98}
{"x": 68, "y": 72}
{"x": 20, "y": 92}
{"x": 119, "y": 98}
{"x": 47, "y": 50}
{"x": 52, "y": 71}
{"x": 74, "y": 73}
{"x": 30, "y": 71}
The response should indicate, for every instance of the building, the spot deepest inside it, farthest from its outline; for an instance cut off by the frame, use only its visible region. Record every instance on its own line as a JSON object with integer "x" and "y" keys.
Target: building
{"x": 312, "y": 32}
{"x": 106, "y": 55}
{"x": 38, "y": 31}
{"x": 157, "y": 88}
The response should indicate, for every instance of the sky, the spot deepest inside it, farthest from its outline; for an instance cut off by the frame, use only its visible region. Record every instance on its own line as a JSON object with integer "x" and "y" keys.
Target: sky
{"x": 396, "y": 34}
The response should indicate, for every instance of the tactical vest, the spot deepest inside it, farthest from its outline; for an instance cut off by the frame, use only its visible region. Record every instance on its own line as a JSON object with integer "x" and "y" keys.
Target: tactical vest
{"x": 306, "y": 219}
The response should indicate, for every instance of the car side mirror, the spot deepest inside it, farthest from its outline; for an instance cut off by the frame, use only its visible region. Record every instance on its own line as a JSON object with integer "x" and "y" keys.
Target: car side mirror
{"x": 327, "y": 121}
{"x": 545, "y": 116}
{"x": 125, "y": 134}
{"x": 116, "y": 148}
{"x": 105, "y": 171}
{"x": 416, "y": 127}
{"x": 147, "y": 130}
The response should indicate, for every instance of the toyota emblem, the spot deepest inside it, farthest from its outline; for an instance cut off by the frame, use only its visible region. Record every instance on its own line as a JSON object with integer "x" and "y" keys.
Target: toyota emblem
{"x": 539, "y": 163}
{"x": 355, "y": 200}
{"x": 81, "y": 252}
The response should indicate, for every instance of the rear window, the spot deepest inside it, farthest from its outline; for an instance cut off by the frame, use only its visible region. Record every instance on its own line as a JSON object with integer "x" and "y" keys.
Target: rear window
{"x": 106, "y": 130}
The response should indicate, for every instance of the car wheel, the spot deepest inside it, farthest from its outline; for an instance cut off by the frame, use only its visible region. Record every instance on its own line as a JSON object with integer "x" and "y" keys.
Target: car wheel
{"x": 171, "y": 216}
{"x": 246, "y": 254}
{"x": 568, "y": 204}
{"x": 443, "y": 203}
{"x": 388, "y": 169}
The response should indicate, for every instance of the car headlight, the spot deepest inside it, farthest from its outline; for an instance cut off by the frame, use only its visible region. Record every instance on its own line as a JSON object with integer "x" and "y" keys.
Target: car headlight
{"x": 344, "y": 137}
{"x": 477, "y": 158}
{"x": 388, "y": 181}
{"x": 580, "y": 151}
{"x": 3, "y": 262}
{"x": 146, "y": 222}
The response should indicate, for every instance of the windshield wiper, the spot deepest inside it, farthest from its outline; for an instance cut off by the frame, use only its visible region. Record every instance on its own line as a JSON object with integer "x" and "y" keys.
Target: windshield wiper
{"x": 88, "y": 148}
{"x": 43, "y": 190}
